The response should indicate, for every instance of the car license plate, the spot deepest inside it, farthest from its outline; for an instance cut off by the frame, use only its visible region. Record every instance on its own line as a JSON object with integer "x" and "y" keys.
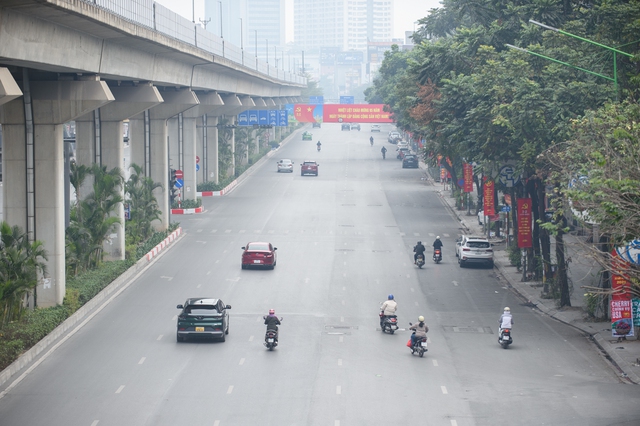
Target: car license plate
{"x": 199, "y": 328}
{"x": 257, "y": 261}
{"x": 424, "y": 344}
{"x": 270, "y": 340}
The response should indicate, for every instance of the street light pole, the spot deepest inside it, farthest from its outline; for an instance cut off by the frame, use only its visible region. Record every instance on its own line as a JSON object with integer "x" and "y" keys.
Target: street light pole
{"x": 193, "y": 11}
{"x": 267, "y": 50}
{"x": 614, "y": 50}
{"x": 221, "y": 36}
{"x": 241, "y": 36}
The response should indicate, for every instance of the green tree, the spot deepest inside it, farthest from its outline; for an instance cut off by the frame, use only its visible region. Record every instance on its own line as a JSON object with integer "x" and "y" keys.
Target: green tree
{"x": 143, "y": 206}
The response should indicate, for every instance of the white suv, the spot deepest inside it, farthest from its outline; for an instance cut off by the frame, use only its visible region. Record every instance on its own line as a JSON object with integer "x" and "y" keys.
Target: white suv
{"x": 473, "y": 249}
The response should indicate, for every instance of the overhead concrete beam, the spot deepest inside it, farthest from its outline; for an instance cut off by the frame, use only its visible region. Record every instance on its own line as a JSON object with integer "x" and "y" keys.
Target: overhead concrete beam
{"x": 130, "y": 101}
{"x": 175, "y": 102}
{"x": 9, "y": 89}
{"x": 209, "y": 103}
{"x": 260, "y": 103}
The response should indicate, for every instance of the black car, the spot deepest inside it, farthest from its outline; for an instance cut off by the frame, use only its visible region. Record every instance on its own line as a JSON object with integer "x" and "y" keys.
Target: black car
{"x": 345, "y": 126}
{"x": 315, "y": 124}
{"x": 203, "y": 317}
{"x": 410, "y": 161}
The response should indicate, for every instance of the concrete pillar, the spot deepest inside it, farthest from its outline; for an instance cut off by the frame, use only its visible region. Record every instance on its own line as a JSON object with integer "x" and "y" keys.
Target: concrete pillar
{"x": 155, "y": 154}
{"x": 35, "y": 166}
{"x": 212, "y": 157}
{"x": 189, "y": 157}
{"x": 107, "y": 150}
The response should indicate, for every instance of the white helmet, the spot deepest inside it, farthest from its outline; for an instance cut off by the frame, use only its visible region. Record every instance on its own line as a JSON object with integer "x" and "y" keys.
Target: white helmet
{"x": 438, "y": 237}
{"x": 421, "y": 318}
{"x": 506, "y": 309}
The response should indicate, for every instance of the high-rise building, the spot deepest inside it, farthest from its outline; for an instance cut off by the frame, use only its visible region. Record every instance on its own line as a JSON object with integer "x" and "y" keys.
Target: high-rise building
{"x": 346, "y": 24}
{"x": 252, "y": 24}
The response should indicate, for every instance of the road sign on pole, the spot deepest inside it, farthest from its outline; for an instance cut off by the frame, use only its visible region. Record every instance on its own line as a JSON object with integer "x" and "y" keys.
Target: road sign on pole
{"x": 179, "y": 174}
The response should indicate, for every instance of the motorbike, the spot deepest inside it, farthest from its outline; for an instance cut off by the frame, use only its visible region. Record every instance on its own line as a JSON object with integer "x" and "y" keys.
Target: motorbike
{"x": 384, "y": 154}
{"x": 389, "y": 323}
{"x": 271, "y": 338}
{"x": 419, "y": 346}
{"x": 437, "y": 255}
{"x": 318, "y": 148}
{"x": 505, "y": 338}
{"x": 420, "y": 261}
{"x": 371, "y": 141}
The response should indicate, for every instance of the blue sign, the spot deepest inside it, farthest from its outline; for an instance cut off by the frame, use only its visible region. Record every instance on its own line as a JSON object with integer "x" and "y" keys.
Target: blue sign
{"x": 283, "y": 118}
{"x": 253, "y": 117}
{"x": 263, "y": 117}
{"x": 243, "y": 118}
{"x": 179, "y": 183}
{"x": 346, "y": 99}
{"x": 316, "y": 100}
{"x": 273, "y": 117}
{"x": 506, "y": 209}
{"x": 197, "y": 167}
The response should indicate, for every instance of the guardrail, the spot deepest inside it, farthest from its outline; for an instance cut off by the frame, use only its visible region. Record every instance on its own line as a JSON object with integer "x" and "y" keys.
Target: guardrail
{"x": 150, "y": 14}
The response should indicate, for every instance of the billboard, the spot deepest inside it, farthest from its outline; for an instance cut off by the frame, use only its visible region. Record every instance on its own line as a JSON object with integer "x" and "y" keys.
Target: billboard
{"x": 360, "y": 113}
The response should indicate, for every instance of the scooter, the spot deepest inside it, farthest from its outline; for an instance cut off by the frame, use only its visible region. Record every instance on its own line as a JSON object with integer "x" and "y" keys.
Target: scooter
{"x": 419, "y": 346}
{"x": 420, "y": 261}
{"x": 318, "y": 148}
{"x": 271, "y": 338}
{"x": 389, "y": 324}
{"x": 371, "y": 140}
{"x": 505, "y": 338}
{"x": 437, "y": 255}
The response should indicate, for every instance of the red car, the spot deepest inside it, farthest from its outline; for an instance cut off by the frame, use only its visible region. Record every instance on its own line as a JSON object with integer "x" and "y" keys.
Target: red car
{"x": 259, "y": 254}
{"x": 309, "y": 167}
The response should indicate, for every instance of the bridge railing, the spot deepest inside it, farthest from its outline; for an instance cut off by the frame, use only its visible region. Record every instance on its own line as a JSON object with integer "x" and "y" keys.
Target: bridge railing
{"x": 152, "y": 15}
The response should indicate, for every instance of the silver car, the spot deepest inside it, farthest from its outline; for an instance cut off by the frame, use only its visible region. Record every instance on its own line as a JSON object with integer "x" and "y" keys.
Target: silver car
{"x": 285, "y": 165}
{"x": 473, "y": 249}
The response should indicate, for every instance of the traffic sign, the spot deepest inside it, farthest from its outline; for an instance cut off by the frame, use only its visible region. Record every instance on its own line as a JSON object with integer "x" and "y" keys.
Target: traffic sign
{"x": 179, "y": 183}
{"x": 179, "y": 174}
{"x": 197, "y": 167}
{"x": 197, "y": 159}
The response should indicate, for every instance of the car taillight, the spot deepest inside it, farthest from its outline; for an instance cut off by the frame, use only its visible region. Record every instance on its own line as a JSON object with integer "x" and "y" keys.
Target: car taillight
{"x": 466, "y": 249}
{"x": 490, "y": 250}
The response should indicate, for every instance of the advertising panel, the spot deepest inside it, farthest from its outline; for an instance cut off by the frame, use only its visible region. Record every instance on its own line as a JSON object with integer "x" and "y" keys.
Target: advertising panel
{"x": 621, "y": 318}
{"x": 467, "y": 174}
{"x": 524, "y": 223}
{"x": 361, "y": 113}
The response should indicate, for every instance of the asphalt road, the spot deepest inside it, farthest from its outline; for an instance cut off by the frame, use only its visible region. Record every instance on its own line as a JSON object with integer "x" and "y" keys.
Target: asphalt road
{"x": 344, "y": 243}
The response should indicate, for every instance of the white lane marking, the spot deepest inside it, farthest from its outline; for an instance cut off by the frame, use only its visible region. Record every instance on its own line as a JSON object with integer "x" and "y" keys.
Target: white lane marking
{"x": 120, "y": 389}
{"x": 336, "y": 423}
{"x": 286, "y": 232}
{"x": 428, "y": 340}
{"x": 416, "y": 234}
{"x": 160, "y": 337}
{"x": 270, "y": 231}
{"x": 344, "y": 275}
{"x": 431, "y": 234}
{"x": 446, "y": 235}
{"x": 345, "y": 263}
{"x": 344, "y": 288}
{"x": 142, "y": 360}
{"x": 341, "y": 319}
{"x": 343, "y": 302}
{"x": 166, "y": 278}
{"x": 227, "y": 231}
{"x": 213, "y": 231}
{"x": 435, "y": 362}
{"x": 306, "y": 280}
{"x": 416, "y": 303}
{"x": 454, "y": 423}
{"x": 251, "y": 338}
{"x": 242, "y": 231}
{"x": 199, "y": 285}
{"x": 444, "y": 389}
{"x": 338, "y": 390}
{"x": 175, "y": 317}
{"x": 455, "y": 283}
{"x": 95, "y": 423}
{"x": 341, "y": 339}
{"x": 209, "y": 273}
{"x": 257, "y": 231}
{"x": 216, "y": 423}
{"x": 202, "y": 242}
{"x": 408, "y": 276}
{"x": 230, "y": 389}
{"x": 241, "y": 361}
{"x": 339, "y": 362}
{"x": 217, "y": 260}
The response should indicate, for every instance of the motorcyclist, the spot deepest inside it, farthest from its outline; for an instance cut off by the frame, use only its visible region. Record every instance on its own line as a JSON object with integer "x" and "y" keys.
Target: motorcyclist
{"x": 318, "y": 145}
{"x": 384, "y": 151}
{"x": 371, "y": 140}
{"x": 505, "y": 321}
{"x": 418, "y": 250}
{"x": 388, "y": 308}
{"x": 437, "y": 245}
{"x": 272, "y": 322}
{"x": 420, "y": 330}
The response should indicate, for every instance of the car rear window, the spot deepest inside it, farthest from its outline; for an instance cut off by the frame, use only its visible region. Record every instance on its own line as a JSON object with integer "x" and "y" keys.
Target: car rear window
{"x": 264, "y": 247}
{"x": 478, "y": 244}
{"x": 310, "y": 163}
{"x": 201, "y": 310}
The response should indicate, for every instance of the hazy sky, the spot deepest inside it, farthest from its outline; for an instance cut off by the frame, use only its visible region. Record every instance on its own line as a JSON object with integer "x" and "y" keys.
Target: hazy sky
{"x": 406, "y": 13}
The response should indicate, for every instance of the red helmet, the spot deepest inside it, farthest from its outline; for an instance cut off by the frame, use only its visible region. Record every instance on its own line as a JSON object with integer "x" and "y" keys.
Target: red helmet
{"x": 271, "y": 312}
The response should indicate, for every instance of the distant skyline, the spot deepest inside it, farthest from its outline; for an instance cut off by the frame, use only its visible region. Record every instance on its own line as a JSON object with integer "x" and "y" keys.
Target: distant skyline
{"x": 406, "y": 13}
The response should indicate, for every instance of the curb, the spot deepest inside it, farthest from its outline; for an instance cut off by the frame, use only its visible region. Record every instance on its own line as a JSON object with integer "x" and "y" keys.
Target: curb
{"x": 111, "y": 291}
{"x": 187, "y": 211}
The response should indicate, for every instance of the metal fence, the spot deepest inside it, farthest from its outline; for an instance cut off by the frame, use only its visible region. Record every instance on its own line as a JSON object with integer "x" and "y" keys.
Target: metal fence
{"x": 152, "y": 15}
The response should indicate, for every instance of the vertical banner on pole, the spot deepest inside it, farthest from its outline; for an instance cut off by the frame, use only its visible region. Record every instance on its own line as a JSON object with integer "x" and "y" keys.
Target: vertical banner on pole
{"x": 467, "y": 173}
{"x": 524, "y": 223}
{"x": 489, "y": 197}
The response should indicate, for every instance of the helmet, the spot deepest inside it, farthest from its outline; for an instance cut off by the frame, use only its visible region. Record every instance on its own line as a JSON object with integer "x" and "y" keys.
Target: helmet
{"x": 506, "y": 308}
{"x": 391, "y": 297}
{"x": 421, "y": 318}
{"x": 271, "y": 312}
{"x": 438, "y": 237}
{"x": 419, "y": 242}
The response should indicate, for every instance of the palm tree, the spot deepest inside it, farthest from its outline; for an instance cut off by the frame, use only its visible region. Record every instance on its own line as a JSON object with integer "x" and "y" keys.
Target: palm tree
{"x": 143, "y": 205}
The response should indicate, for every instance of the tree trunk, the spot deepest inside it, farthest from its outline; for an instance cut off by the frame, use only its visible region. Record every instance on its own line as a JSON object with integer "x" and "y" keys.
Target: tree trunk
{"x": 545, "y": 243}
{"x": 561, "y": 274}
{"x": 535, "y": 236}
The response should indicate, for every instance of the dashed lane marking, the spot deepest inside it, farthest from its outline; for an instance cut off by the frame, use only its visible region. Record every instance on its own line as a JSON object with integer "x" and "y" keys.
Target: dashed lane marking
{"x": 95, "y": 423}
{"x": 160, "y": 337}
{"x": 338, "y": 390}
{"x": 241, "y": 361}
{"x": 435, "y": 362}
{"x": 444, "y": 389}
{"x": 341, "y": 339}
{"x": 251, "y": 338}
{"x": 120, "y": 389}
{"x": 230, "y": 389}
{"x": 340, "y": 362}
{"x": 142, "y": 360}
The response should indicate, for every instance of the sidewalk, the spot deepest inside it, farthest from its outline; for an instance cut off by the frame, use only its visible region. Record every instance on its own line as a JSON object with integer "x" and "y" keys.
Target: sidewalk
{"x": 624, "y": 355}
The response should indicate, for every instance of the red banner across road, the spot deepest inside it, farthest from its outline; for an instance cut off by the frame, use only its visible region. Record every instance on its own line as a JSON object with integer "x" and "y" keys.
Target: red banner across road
{"x": 356, "y": 113}
{"x": 524, "y": 223}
